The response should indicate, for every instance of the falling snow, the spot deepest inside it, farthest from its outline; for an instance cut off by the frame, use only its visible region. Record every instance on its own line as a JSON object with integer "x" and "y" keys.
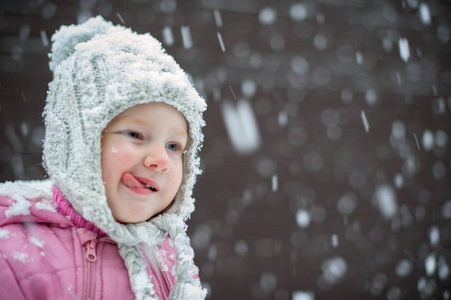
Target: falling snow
{"x": 430, "y": 264}
{"x": 301, "y": 295}
{"x": 248, "y": 88}
{"x": 333, "y": 269}
{"x": 304, "y": 200}
{"x": 186, "y": 37}
{"x": 120, "y": 18}
{"x": 44, "y": 38}
{"x": 267, "y": 15}
{"x": 221, "y": 42}
{"x": 298, "y": 11}
{"x": 425, "y": 14}
{"x": 168, "y": 37}
{"x": 218, "y": 18}
{"x": 303, "y": 218}
{"x": 386, "y": 201}
{"x": 446, "y": 209}
{"x": 334, "y": 240}
{"x": 274, "y": 183}
{"x": 416, "y": 141}
{"x": 365, "y": 121}
{"x": 404, "y": 50}
{"x": 428, "y": 140}
{"x": 434, "y": 236}
{"x": 404, "y": 268}
{"x": 359, "y": 58}
{"x": 241, "y": 126}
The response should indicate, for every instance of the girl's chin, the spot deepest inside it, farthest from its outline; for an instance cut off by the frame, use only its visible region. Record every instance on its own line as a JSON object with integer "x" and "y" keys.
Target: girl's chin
{"x": 129, "y": 219}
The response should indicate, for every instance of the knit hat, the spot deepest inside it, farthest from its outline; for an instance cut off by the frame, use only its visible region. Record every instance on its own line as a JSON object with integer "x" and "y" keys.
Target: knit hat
{"x": 100, "y": 70}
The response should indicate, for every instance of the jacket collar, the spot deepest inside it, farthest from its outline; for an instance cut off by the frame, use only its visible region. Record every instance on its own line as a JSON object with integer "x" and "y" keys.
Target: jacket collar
{"x": 65, "y": 209}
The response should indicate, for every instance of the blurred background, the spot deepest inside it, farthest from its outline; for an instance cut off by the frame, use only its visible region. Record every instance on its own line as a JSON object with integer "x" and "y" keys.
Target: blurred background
{"x": 327, "y": 155}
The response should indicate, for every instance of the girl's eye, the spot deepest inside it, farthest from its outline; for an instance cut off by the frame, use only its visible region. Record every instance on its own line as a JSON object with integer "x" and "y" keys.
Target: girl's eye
{"x": 133, "y": 134}
{"x": 173, "y": 147}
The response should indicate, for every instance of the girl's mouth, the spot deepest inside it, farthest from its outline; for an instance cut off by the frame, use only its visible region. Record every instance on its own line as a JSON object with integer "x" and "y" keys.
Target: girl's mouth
{"x": 139, "y": 185}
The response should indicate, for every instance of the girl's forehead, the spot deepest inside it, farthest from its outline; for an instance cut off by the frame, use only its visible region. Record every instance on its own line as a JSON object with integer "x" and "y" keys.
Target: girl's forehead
{"x": 153, "y": 113}
{"x": 150, "y": 108}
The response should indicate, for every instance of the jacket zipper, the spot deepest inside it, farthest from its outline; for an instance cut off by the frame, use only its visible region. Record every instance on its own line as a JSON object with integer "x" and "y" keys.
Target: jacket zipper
{"x": 90, "y": 270}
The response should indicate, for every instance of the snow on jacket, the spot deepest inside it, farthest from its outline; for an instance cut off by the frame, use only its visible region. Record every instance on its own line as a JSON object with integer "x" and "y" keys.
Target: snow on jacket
{"x": 44, "y": 255}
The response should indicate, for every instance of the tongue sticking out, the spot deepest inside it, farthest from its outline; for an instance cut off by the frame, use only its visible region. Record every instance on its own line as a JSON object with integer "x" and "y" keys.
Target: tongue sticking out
{"x": 130, "y": 181}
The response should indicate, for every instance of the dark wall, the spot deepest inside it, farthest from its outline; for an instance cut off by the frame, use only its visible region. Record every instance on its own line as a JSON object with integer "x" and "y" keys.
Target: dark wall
{"x": 326, "y": 160}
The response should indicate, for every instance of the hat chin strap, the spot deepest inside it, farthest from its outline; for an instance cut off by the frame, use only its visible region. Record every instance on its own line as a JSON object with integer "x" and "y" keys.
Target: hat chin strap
{"x": 187, "y": 285}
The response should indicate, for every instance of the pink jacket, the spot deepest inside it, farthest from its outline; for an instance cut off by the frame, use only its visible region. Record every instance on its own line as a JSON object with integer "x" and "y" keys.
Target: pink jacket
{"x": 51, "y": 254}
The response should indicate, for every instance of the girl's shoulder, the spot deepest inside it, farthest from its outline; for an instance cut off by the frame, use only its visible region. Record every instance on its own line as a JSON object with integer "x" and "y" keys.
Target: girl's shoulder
{"x": 17, "y": 197}
{"x": 35, "y": 243}
{"x": 28, "y": 201}
{"x": 33, "y": 190}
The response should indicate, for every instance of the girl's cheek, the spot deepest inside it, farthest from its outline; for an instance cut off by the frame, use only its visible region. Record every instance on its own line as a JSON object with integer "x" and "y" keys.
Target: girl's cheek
{"x": 114, "y": 150}
{"x": 125, "y": 154}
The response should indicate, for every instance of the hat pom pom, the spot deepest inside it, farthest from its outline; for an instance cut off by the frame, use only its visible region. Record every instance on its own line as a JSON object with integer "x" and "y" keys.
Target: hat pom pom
{"x": 66, "y": 38}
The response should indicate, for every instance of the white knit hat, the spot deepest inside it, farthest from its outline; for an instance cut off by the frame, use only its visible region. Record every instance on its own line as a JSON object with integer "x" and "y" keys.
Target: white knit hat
{"x": 100, "y": 70}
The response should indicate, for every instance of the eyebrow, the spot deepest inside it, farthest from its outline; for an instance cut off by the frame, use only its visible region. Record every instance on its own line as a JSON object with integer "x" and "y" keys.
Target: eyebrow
{"x": 180, "y": 132}
{"x": 176, "y": 130}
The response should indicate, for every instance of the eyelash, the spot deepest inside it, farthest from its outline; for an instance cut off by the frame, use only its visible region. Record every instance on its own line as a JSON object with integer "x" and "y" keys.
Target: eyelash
{"x": 179, "y": 147}
{"x": 132, "y": 134}
{"x": 136, "y": 135}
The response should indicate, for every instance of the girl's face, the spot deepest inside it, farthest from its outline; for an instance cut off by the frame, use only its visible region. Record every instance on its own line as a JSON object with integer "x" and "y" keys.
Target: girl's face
{"x": 141, "y": 160}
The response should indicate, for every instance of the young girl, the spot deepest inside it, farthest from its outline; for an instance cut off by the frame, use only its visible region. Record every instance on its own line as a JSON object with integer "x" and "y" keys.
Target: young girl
{"x": 123, "y": 128}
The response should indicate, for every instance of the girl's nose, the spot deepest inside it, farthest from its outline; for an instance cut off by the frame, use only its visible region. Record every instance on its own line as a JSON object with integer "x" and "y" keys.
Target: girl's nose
{"x": 157, "y": 158}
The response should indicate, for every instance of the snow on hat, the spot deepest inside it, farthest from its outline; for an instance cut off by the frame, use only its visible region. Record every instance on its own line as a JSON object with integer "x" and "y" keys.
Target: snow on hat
{"x": 100, "y": 70}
